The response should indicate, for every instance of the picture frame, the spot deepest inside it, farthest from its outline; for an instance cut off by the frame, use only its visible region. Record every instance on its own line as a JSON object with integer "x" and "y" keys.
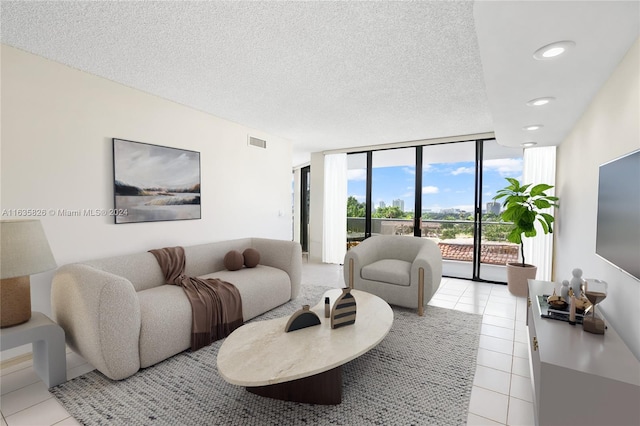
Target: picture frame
{"x": 155, "y": 183}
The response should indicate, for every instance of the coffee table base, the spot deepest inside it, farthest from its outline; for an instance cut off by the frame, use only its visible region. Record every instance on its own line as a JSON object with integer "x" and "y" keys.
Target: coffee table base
{"x": 323, "y": 389}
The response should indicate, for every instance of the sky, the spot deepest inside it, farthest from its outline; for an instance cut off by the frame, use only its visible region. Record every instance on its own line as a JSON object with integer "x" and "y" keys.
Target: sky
{"x": 444, "y": 185}
{"x": 150, "y": 166}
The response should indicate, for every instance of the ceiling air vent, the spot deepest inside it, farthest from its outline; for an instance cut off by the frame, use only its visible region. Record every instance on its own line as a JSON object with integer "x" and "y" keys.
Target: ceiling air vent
{"x": 258, "y": 143}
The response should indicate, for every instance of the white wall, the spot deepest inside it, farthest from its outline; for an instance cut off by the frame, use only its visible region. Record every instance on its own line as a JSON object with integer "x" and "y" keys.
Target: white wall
{"x": 57, "y": 125}
{"x": 609, "y": 128}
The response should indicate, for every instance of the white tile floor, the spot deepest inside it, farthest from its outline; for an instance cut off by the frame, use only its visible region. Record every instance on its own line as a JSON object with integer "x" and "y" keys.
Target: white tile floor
{"x": 501, "y": 392}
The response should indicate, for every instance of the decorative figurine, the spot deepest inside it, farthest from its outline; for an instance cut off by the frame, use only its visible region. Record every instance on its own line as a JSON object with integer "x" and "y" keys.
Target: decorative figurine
{"x": 564, "y": 291}
{"x": 577, "y": 281}
{"x": 344, "y": 309}
{"x": 302, "y": 318}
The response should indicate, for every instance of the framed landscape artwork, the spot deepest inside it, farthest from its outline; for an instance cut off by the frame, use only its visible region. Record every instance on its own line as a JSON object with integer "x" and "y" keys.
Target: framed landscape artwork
{"x": 155, "y": 183}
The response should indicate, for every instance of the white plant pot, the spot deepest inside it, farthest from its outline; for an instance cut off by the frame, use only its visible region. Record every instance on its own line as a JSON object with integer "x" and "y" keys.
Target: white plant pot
{"x": 518, "y": 276}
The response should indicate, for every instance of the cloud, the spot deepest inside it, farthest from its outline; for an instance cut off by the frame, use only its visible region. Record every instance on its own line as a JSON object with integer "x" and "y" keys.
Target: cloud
{"x": 463, "y": 170}
{"x": 504, "y": 166}
{"x": 409, "y": 170}
{"x": 430, "y": 190}
{"x": 357, "y": 174}
{"x": 360, "y": 198}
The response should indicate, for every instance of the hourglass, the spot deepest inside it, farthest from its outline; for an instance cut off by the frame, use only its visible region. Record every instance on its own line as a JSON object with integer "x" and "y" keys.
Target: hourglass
{"x": 595, "y": 294}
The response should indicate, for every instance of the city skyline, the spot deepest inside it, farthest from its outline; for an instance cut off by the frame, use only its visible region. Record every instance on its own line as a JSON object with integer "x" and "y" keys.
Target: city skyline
{"x": 444, "y": 185}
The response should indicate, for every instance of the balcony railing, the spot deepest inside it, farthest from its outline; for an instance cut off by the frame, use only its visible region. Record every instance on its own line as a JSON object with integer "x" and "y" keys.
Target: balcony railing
{"x": 454, "y": 237}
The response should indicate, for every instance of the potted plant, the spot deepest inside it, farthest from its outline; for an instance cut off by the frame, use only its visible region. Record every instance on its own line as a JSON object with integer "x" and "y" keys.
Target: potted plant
{"x": 523, "y": 206}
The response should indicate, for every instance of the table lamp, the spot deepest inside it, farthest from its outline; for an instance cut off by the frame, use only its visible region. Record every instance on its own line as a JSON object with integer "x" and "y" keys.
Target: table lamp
{"x": 24, "y": 251}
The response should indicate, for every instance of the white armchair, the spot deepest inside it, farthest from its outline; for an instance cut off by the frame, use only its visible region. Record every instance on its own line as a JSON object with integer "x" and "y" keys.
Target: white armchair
{"x": 404, "y": 271}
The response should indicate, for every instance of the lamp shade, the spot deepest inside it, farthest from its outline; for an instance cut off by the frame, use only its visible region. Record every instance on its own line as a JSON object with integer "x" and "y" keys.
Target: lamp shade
{"x": 24, "y": 249}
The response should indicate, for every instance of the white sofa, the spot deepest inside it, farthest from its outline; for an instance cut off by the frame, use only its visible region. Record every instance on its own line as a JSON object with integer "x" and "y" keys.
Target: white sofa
{"x": 120, "y": 316}
{"x": 403, "y": 271}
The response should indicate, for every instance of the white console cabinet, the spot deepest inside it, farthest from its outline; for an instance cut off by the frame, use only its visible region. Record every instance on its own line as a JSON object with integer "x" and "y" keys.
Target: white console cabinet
{"x": 579, "y": 378}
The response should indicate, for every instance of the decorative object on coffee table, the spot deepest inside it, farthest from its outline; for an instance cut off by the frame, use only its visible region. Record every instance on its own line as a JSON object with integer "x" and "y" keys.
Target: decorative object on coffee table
{"x": 344, "y": 309}
{"x": 302, "y": 318}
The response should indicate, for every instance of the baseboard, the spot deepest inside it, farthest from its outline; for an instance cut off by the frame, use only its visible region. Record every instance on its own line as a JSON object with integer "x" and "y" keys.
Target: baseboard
{"x": 16, "y": 360}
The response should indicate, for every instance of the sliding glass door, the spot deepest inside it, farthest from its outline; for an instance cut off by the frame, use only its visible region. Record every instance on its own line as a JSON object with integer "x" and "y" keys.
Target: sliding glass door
{"x": 448, "y": 203}
{"x": 442, "y": 192}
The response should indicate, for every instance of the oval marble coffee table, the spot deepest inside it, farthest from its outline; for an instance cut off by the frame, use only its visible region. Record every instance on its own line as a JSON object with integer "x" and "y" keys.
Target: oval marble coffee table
{"x": 303, "y": 365}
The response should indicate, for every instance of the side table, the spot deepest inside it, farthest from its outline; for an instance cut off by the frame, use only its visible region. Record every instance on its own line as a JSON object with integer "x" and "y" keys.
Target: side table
{"x": 47, "y": 339}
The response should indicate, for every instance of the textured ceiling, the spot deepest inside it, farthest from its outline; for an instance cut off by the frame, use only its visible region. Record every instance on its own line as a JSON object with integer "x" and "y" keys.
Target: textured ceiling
{"x": 325, "y": 75}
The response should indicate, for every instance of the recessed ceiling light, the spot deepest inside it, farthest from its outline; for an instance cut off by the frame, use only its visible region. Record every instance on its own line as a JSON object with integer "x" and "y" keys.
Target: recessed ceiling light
{"x": 553, "y": 50}
{"x": 528, "y": 144}
{"x": 540, "y": 101}
{"x": 533, "y": 127}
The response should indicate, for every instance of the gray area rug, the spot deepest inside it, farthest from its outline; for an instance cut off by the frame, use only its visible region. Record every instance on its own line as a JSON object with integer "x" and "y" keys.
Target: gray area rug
{"x": 420, "y": 374}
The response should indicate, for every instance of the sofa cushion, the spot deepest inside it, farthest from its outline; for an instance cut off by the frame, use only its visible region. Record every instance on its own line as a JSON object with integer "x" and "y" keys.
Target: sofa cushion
{"x": 392, "y": 271}
{"x": 233, "y": 260}
{"x": 262, "y": 288}
{"x": 251, "y": 257}
{"x": 141, "y": 269}
{"x": 165, "y": 323}
{"x": 165, "y": 311}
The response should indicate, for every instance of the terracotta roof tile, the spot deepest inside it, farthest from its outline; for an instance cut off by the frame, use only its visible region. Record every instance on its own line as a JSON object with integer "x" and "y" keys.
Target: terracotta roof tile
{"x": 495, "y": 254}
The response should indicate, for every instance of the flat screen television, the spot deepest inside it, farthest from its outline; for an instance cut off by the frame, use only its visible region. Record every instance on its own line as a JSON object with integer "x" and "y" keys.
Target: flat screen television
{"x": 618, "y": 222}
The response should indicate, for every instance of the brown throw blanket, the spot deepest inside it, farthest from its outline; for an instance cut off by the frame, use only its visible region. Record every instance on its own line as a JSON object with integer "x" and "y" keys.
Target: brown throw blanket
{"x": 215, "y": 304}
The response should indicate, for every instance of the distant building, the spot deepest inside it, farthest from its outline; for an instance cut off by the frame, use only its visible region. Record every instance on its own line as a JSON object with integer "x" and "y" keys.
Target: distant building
{"x": 399, "y": 203}
{"x": 382, "y": 205}
{"x": 494, "y": 207}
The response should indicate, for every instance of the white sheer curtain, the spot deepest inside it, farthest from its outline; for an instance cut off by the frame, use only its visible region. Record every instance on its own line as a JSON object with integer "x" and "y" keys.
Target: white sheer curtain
{"x": 334, "y": 245}
{"x": 540, "y": 167}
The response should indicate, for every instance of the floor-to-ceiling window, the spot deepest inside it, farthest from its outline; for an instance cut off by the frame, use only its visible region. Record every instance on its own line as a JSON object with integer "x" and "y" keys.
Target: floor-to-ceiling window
{"x": 448, "y": 203}
{"x": 498, "y": 163}
{"x": 393, "y": 182}
{"x": 356, "y": 198}
{"x": 442, "y": 192}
